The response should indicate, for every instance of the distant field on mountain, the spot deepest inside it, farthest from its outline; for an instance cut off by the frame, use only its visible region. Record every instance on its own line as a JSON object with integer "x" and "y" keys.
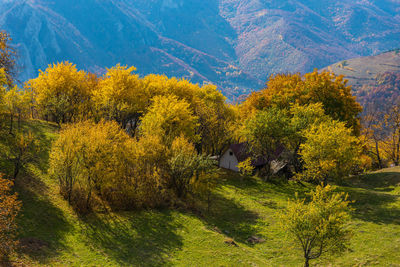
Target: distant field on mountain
{"x": 235, "y": 44}
{"x": 375, "y": 79}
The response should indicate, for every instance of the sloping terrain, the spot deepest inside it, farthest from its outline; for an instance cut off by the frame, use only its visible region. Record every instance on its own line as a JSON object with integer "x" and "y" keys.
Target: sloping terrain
{"x": 52, "y": 234}
{"x": 235, "y": 44}
{"x": 375, "y": 79}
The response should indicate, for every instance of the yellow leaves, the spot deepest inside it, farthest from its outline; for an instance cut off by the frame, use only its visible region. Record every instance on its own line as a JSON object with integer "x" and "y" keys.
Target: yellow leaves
{"x": 285, "y": 89}
{"x": 246, "y": 167}
{"x": 62, "y": 92}
{"x": 169, "y": 118}
{"x": 331, "y": 151}
{"x": 119, "y": 93}
{"x": 322, "y": 220}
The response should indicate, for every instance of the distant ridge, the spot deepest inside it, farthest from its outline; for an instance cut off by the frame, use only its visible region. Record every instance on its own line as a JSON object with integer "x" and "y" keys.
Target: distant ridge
{"x": 235, "y": 44}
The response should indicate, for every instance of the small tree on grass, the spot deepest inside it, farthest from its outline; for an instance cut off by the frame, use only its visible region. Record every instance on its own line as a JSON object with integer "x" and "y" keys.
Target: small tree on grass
{"x": 9, "y": 208}
{"x": 22, "y": 149}
{"x": 319, "y": 226}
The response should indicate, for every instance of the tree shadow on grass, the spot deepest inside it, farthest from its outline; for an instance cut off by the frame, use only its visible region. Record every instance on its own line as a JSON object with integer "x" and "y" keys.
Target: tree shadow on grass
{"x": 135, "y": 238}
{"x": 374, "y": 206}
{"x": 42, "y": 225}
{"x": 255, "y": 186}
{"x": 230, "y": 218}
{"x": 373, "y": 197}
{"x": 378, "y": 181}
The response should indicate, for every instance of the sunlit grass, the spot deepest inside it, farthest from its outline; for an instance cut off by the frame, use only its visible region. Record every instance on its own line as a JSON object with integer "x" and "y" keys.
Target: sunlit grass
{"x": 53, "y": 234}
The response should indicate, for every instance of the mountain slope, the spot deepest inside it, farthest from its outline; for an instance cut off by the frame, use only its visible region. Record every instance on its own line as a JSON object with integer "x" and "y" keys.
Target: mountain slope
{"x": 375, "y": 79}
{"x": 235, "y": 44}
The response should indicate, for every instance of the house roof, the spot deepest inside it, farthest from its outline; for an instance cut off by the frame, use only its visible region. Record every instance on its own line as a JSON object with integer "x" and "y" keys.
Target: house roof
{"x": 242, "y": 152}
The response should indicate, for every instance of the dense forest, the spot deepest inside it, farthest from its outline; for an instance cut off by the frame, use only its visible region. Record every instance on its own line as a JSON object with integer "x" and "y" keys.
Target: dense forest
{"x": 130, "y": 143}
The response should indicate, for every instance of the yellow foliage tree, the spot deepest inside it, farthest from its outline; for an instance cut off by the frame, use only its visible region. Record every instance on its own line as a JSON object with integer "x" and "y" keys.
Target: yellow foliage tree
{"x": 169, "y": 118}
{"x": 332, "y": 91}
{"x": 7, "y": 57}
{"x": 330, "y": 152}
{"x": 318, "y": 226}
{"x": 17, "y": 103}
{"x": 62, "y": 93}
{"x": 119, "y": 96}
{"x": 89, "y": 160}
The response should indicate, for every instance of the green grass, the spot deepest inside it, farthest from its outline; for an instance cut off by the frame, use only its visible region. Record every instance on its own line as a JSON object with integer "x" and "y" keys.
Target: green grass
{"x": 52, "y": 234}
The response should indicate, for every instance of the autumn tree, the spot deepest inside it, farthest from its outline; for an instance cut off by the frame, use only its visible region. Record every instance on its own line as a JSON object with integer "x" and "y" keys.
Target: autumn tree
{"x": 119, "y": 96}
{"x": 16, "y": 102}
{"x": 62, "y": 93}
{"x": 21, "y": 149}
{"x": 392, "y": 129}
{"x": 169, "y": 118}
{"x": 3, "y": 82}
{"x": 330, "y": 152}
{"x": 373, "y": 135}
{"x": 7, "y": 57}
{"x": 186, "y": 167}
{"x": 9, "y": 208}
{"x": 303, "y": 117}
{"x": 318, "y": 227}
{"x": 283, "y": 90}
{"x": 88, "y": 159}
{"x": 216, "y": 120}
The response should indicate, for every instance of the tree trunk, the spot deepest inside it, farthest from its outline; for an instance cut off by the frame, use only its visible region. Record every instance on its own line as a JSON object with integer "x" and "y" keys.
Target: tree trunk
{"x": 19, "y": 121}
{"x": 397, "y": 150}
{"x": 17, "y": 167}
{"x": 306, "y": 262}
{"x": 378, "y": 156}
{"x": 11, "y": 123}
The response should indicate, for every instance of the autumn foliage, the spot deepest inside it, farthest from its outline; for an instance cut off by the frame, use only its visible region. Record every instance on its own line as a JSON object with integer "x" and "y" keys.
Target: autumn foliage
{"x": 9, "y": 208}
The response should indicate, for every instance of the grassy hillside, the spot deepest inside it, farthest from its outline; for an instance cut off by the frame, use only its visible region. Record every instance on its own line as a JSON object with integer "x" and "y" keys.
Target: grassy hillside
{"x": 52, "y": 234}
{"x": 364, "y": 70}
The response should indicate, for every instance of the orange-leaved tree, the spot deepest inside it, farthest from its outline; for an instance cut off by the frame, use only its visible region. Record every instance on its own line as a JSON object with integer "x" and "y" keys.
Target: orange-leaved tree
{"x": 283, "y": 90}
{"x": 9, "y": 208}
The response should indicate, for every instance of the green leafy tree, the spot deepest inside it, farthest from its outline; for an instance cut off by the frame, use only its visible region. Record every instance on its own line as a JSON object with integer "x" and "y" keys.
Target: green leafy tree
{"x": 265, "y": 132}
{"x": 318, "y": 226}
{"x": 20, "y": 150}
{"x": 303, "y": 117}
{"x": 186, "y": 167}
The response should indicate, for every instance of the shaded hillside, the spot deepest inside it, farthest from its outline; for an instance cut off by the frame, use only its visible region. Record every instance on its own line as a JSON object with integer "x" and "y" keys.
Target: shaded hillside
{"x": 235, "y": 44}
{"x": 375, "y": 79}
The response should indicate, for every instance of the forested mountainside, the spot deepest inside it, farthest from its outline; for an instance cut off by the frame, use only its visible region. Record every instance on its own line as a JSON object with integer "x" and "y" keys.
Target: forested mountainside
{"x": 235, "y": 44}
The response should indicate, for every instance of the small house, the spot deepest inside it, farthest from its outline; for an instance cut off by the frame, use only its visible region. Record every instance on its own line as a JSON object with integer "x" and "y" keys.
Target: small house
{"x": 237, "y": 153}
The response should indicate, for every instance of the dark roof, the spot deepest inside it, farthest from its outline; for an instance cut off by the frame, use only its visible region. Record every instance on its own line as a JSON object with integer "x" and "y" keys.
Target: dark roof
{"x": 242, "y": 152}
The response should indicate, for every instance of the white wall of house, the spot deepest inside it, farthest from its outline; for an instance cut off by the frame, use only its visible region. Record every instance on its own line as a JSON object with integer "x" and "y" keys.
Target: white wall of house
{"x": 229, "y": 161}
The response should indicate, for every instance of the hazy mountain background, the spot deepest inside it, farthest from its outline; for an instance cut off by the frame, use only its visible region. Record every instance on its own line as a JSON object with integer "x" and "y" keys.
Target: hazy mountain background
{"x": 235, "y": 44}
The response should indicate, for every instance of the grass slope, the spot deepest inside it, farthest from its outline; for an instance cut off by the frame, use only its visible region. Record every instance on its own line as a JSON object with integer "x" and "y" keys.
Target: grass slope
{"x": 53, "y": 235}
{"x": 364, "y": 70}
